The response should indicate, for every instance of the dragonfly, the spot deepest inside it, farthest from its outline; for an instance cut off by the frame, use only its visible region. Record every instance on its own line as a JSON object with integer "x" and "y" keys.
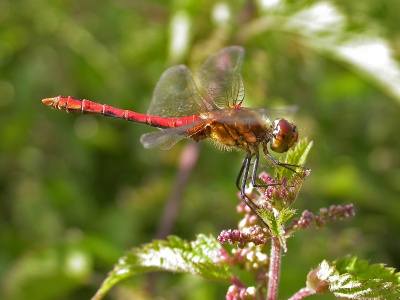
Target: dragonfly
{"x": 181, "y": 111}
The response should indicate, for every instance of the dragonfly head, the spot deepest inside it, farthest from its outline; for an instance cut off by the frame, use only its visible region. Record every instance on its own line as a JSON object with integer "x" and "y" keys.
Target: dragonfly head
{"x": 283, "y": 135}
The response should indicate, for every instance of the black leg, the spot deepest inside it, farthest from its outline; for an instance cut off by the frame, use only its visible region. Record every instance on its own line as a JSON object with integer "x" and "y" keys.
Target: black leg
{"x": 240, "y": 174}
{"x": 244, "y": 170}
{"x": 255, "y": 169}
{"x": 277, "y": 162}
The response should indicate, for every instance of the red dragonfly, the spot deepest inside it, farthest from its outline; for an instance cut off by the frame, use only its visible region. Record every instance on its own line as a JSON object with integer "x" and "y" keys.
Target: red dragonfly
{"x": 180, "y": 111}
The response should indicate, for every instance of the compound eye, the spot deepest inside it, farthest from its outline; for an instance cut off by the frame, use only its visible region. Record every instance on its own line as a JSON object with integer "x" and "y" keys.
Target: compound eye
{"x": 283, "y": 135}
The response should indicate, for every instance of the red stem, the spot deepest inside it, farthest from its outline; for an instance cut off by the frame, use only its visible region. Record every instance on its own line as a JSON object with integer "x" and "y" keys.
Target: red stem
{"x": 274, "y": 269}
{"x": 303, "y": 293}
{"x": 237, "y": 282}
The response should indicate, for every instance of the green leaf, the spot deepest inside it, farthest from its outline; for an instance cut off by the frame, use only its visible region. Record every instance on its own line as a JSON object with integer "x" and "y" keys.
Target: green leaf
{"x": 276, "y": 222}
{"x": 295, "y": 156}
{"x": 285, "y": 215}
{"x": 201, "y": 257}
{"x": 351, "y": 278}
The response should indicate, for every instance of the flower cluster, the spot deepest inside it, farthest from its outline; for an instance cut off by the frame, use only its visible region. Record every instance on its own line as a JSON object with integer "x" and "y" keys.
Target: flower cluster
{"x": 252, "y": 259}
{"x": 334, "y": 212}
{"x": 250, "y": 254}
{"x": 240, "y": 293}
{"x": 278, "y": 193}
{"x": 254, "y": 234}
{"x": 249, "y": 218}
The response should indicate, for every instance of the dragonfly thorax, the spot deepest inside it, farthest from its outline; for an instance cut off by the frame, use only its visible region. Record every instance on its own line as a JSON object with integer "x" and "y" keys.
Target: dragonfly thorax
{"x": 230, "y": 135}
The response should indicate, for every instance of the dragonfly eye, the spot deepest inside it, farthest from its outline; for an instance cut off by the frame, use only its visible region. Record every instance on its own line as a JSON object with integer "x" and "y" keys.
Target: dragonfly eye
{"x": 284, "y": 135}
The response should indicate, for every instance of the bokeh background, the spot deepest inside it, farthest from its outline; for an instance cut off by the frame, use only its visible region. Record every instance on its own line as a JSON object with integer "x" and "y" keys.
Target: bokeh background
{"x": 76, "y": 191}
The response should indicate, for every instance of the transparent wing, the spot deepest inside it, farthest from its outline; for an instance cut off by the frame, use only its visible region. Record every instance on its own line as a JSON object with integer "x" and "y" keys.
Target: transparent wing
{"x": 167, "y": 138}
{"x": 160, "y": 139}
{"x": 221, "y": 77}
{"x": 250, "y": 116}
{"x": 176, "y": 95}
{"x": 287, "y": 112}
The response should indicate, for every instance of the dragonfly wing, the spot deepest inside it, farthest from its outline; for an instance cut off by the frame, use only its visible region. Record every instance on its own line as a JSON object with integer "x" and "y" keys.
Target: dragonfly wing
{"x": 167, "y": 138}
{"x": 160, "y": 139}
{"x": 286, "y": 112}
{"x": 221, "y": 77}
{"x": 177, "y": 95}
{"x": 250, "y": 116}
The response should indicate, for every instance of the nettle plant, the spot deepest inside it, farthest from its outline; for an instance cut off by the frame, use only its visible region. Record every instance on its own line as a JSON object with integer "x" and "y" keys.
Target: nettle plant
{"x": 258, "y": 250}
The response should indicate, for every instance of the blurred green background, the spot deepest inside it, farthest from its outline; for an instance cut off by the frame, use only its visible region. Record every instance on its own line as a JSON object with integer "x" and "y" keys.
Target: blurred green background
{"x": 76, "y": 191}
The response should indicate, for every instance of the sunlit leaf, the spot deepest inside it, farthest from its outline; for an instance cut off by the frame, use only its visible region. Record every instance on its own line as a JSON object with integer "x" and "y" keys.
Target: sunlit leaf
{"x": 352, "y": 278}
{"x": 285, "y": 215}
{"x": 201, "y": 257}
{"x": 276, "y": 222}
{"x": 295, "y": 156}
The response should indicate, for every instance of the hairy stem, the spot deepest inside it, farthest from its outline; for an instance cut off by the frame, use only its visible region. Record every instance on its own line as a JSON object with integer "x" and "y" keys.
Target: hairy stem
{"x": 274, "y": 269}
{"x": 303, "y": 293}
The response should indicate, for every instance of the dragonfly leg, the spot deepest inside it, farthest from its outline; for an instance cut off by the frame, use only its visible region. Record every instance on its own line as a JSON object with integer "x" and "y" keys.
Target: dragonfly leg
{"x": 240, "y": 174}
{"x": 277, "y": 162}
{"x": 244, "y": 170}
{"x": 255, "y": 169}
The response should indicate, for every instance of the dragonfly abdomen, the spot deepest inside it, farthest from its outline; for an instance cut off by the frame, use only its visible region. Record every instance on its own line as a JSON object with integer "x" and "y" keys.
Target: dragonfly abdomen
{"x": 73, "y": 105}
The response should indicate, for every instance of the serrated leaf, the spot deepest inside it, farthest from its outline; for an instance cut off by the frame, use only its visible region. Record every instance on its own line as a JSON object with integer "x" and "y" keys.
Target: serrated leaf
{"x": 285, "y": 215}
{"x": 355, "y": 279}
{"x": 352, "y": 264}
{"x": 276, "y": 222}
{"x": 295, "y": 156}
{"x": 201, "y": 257}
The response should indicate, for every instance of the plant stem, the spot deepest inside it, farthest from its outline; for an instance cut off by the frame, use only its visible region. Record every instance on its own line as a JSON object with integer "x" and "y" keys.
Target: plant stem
{"x": 187, "y": 161}
{"x": 303, "y": 293}
{"x": 274, "y": 269}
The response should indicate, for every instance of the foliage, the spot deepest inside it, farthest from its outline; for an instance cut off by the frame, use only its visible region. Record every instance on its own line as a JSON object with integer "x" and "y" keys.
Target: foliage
{"x": 352, "y": 278}
{"x": 347, "y": 277}
{"x": 200, "y": 257}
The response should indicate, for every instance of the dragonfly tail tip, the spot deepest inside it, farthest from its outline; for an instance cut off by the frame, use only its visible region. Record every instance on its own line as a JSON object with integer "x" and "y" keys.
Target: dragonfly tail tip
{"x": 50, "y": 101}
